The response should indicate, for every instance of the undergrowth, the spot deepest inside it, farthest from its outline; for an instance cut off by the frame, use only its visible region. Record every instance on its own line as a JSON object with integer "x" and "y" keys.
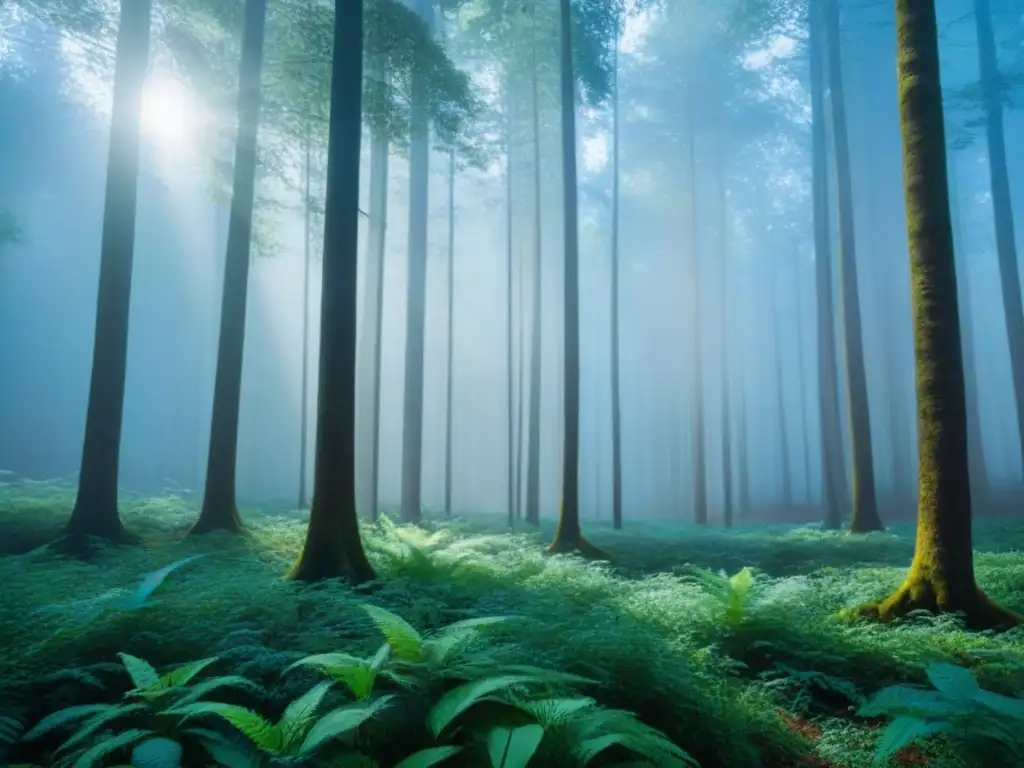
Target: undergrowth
{"x": 737, "y": 667}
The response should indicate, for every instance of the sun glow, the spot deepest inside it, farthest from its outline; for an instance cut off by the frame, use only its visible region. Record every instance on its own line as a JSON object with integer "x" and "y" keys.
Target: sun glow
{"x": 170, "y": 117}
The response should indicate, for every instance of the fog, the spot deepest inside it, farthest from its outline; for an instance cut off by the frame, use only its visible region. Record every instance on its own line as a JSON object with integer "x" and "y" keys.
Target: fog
{"x": 744, "y": 217}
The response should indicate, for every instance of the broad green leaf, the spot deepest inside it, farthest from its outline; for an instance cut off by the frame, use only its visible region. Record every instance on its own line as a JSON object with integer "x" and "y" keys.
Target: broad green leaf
{"x": 158, "y": 752}
{"x": 741, "y": 581}
{"x": 261, "y": 732}
{"x": 903, "y": 731}
{"x": 184, "y": 674}
{"x": 141, "y": 672}
{"x": 299, "y": 716}
{"x": 340, "y": 721}
{"x": 587, "y": 749}
{"x": 553, "y": 712}
{"x": 908, "y": 699}
{"x": 94, "y": 756}
{"x": 1004, "y": 705}
{"x": 197, "y": 691}
{"x": 151, "y": 581}
{"x": 513, "y": 747}
{"x": 426, "y": 758}
{"x": 357, "y": 674}
{"x": 224, "y": 750}
{"x": 405, "y": 641}
{"x": 99, "y": 721}
{"x": 64, "y": 717}
{"x": 458, "y": 700}
{"x": 956, "y": 682}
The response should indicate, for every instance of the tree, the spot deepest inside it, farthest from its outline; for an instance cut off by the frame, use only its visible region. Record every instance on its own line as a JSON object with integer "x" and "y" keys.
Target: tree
{"x": 333, "y": 546}
{"x": 220, "y": 508}
{"x": 865, "y": 505}
{"x": 615, "y": 329}
{"x": 568, "y": 535}
{"x": 95, "y": 511}
{"x": 941, "y": 576}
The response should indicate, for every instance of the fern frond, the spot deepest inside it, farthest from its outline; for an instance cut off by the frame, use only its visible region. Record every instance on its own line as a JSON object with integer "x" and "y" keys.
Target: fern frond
{"x": 300, "y": 715}
{"x": 64, "y": 718}
{"x": 341, "y": 721}
{"x": 405, "y": 641}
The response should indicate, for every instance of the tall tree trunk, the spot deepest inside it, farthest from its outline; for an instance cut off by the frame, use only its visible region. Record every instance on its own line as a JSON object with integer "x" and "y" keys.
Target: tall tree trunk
{"x": 865, "y": 505}
{"x": 513, "y": 464}
{"x": 616, "y": 372}
{"x": 1002, "y": 203}
{"x": 805, "y": 436}
{"x": 828, "y": 392}
{"x": 785, "y": 444}
{"x": 980, "y": 486}
{"x": 451, "y": 338}
{"x": 568, "y": 535}
{"x": 416, "y": 302}
{"x": 743, "y": 458}
{"x": 333, "y": 547}
{"x": 220, "y": 509}
{"x": 941, "y": 576}
{"x": 371, "y": 347}
{"x": 533, "y": 456}
{"x": 700, "y": 488}
{"x": 306, "y": 264}
{"x": 95, "y": 511}
{"x": 723, "y": 212}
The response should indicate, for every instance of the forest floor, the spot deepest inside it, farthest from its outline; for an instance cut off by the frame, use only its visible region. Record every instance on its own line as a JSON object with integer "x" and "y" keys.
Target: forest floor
{"x": 771, "y": 676}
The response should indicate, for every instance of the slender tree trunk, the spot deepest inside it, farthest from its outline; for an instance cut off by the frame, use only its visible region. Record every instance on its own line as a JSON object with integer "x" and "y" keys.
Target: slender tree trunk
{"x": 616, "y": 372}
{"x": 743, "y": 458}
{"x": 700, "y": 492}
{"x": 513, "y": 464}
{"x": 533, "y": 457}
{"x": 802, "y": 369}
{"x": 306, "y": 264}
{"x": 95, "y": 511}
{"x": 416, "y": 303}
{"x": 865, "y": 505}
{"x": 1002, "y": 203}
{"x": 371, "y": 347}
{"x": 785, "y": 444}
{"x": 723, "y": 205}
{"x": 980, "y": 486}
{"x": 333, "y": 547}
{"x": 220, "y": 509}
{"x": 451, "y": 338}
{"x": 941, "y": 576}
{"x": 568, "y": 535}
{"x": 828, "y": 392}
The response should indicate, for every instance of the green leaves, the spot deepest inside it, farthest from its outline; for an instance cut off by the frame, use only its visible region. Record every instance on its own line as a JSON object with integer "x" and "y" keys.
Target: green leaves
{"x": 403, "y": 638}
{"x": 512, "y": 747}
{"x": 458, "y": 700}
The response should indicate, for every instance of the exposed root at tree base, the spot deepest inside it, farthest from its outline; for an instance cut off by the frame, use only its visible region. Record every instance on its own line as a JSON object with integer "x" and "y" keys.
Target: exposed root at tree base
{"x": 312, "y": 567}
{"x": 208, "y": 523}
{"x": 917, "y": 594}
{"x": 563, "y": 545}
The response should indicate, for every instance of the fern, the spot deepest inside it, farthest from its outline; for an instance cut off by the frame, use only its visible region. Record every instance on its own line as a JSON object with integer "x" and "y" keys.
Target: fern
{"x": 984, "y": 724}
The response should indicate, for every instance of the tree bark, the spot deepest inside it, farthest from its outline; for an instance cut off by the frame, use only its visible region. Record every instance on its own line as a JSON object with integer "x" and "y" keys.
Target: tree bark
{"x": 220, "y": 509}
{"x": 865, "y": 504}
{"x": 568, "y": 534}
{"x": 333, "y": 546}
{"x": 941, "y": 576}
{"x": 723, "y": 226}
{"x": 700, "y": 488}
{"x": 533, "y": 451}
{"x": 95, "y": 512}
{"x": 615, "y": 365}
{"x": 1002, "y": 204}
{"x": 449, "y": 380}
{"x": 416, "y": 302}
{"x": 306, "y": 266}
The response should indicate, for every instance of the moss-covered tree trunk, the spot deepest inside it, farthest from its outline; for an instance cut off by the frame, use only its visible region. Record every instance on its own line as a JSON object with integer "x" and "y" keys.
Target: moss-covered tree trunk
{"x": 941, "y": 576}
{"x": 828, "y": 392}
{"x": 568, "y": 535}
{"x": 333, "y": 547}
{"x": 95, "y": 512}
{"x": 865, "y": 504}
{"x": 220, "y": 509}
{"x": 993, "y": 95}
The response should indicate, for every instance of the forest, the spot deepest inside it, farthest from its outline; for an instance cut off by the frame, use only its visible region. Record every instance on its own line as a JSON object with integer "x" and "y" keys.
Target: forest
{"x": 401, "y": 383}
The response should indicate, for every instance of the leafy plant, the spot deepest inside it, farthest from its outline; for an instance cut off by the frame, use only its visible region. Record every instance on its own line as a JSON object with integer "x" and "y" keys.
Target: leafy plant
{"x": 733, "y": 592}
{"x": 986, "y": 725}
{"x": 144, "y": 719}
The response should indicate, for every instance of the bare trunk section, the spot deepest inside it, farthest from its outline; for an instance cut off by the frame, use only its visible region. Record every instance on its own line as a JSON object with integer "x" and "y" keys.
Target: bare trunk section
{"x": 333, "y": 546}
{"x": 416, "y": 302}
{"x": 513, "y": 464}
{"x": 700, "y": 491}
{"x": 449, "y": 380}
{"x": 568, "y": 535}
{"x": 723, "y": 225}
{"x": 220, "y": 509}
{"x": 828, "y": 392}
{"x": 865, "y": 506}
{"x": 371, "y": 346}
{"x": 95, "y": 511}
{"x": 306, "y": 265}
{"x": 616, "y": 276}
{"x": 1002, "y": 204}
